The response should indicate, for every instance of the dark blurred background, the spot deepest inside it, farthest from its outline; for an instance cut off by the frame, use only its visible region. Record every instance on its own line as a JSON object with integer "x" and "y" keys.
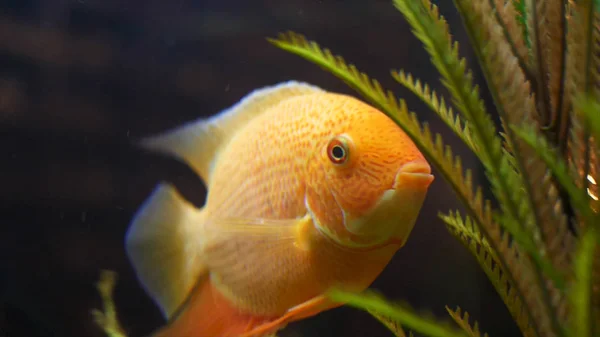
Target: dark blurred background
{"x": 81, "y": 79}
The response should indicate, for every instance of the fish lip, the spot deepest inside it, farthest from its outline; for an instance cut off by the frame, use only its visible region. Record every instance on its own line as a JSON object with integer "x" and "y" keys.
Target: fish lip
{"x": 416, "y": 173}
{"x": 395, "y": 212}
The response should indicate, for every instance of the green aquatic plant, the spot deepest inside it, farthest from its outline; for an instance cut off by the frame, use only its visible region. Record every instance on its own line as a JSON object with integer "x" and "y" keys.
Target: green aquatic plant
{"x": 539, "y": 245}
{"x": 541, "y": 63}
{"x": 107, "y": 318}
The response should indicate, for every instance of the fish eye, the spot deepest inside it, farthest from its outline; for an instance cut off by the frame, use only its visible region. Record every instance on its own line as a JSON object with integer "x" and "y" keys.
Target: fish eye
{"x": 338, "y": 151}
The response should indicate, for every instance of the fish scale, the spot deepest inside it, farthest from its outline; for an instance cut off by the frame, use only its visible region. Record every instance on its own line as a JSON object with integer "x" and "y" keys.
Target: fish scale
{"x": 268, "y": 162}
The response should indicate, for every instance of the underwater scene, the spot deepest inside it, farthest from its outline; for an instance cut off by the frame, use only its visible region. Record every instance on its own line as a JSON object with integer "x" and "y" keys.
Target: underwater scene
{"x": 294, "y": 168}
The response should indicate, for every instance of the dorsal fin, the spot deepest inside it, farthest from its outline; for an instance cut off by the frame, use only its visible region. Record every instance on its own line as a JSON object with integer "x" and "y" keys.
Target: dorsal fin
{"x": 198, "y": 142}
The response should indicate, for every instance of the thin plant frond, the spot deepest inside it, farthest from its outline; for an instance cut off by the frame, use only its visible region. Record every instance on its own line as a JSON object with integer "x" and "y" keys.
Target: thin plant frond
{"x": 432, "y": 29}
{"x": 578, "y": 158}
{"x": 511, "y": 94}
{"x": 542, "y": 216}
{"x": 596, "y": 49}
{"x": 558, "y": 167}
{"x": 551, "y": 22}
{"x": 511, "y": 158}
{"x": 401, "y": 313}
{"x": 437, "y": 153}
{"x": 438, "y": 105}
{"x": 537, "y": 10}
{"x": 587, "y": 109}
{"x": 523, "y": 19}
{"x": 507, "y": 16}
{"x": 471, "y": 238}
{"x": 370, "y": 89}
{"x": 467, "y": 233}
{"x": 389, "y": 323}
{"x": 509, "y": 90}
{"x": 582, "y": 38}
{"x": 107, "y": 319}
{"x": 580, "y": 79}
{"x": 463, "y": 321}
{"x": 547, "y": 270}
{"x": 582, "y": 321}
{"x": 579, "y": 198}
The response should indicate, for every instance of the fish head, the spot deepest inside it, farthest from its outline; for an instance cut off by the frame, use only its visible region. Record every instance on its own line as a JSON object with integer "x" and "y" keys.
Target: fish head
{"x": 367, "y": 179}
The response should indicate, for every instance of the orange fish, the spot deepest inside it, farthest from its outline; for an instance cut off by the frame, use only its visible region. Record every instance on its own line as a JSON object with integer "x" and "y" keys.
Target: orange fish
{"x": 307, "y": 190}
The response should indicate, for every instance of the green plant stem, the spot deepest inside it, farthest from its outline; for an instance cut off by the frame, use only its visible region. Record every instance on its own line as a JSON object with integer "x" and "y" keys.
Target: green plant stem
{"x": 404, "y": 316}
{"x": 582, "y": 324}
{"x": 107, "y": 319}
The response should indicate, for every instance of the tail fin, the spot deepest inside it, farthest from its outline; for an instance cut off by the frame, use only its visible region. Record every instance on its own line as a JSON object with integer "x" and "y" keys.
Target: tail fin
{"x": 163, "y": 245}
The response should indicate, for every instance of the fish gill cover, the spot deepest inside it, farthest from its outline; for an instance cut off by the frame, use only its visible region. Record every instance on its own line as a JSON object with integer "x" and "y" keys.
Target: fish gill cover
{"x": 538, "y": 246}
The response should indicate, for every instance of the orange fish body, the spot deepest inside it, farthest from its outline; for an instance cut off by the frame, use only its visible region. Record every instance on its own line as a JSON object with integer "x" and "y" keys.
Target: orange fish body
{"x": 307, "y": 190}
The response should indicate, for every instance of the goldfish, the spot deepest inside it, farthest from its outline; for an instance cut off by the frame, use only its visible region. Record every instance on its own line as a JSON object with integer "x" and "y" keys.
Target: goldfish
{"x": 307, "y": 190}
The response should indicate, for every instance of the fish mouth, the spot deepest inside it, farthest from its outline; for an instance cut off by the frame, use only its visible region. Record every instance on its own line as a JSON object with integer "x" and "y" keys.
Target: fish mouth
{"x": 416, "y": 173}
{"x": 394, "y": 214}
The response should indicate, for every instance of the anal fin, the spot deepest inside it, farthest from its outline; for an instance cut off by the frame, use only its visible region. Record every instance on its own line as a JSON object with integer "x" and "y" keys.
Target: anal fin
{"x": 307, "y": 309}
{"x": 210, "y": 314}
{"x": 207, "y": 313}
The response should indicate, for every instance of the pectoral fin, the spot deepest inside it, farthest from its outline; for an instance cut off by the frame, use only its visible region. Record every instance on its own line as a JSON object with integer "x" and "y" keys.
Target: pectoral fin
{"x": 277, "y": 232}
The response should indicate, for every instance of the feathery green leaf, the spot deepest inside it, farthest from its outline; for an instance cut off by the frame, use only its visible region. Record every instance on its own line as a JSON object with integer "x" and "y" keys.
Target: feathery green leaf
{"x": 437, "y": 105}
{"x": 432, "y": 29}
{"x": 403, "y": 314}
{"x": 389, "y": 323}
{"x": 107, "y": 319}
{"x": 525, "y": 246}
{"x": 581, "y": 74}
{"x": 437, "y": 153}
{"x": 501, "y": 73}
{"x": 588, "y": 108}
{"x": 550, "y": 19}
{"x": 558, "y": 168}
{"x": 463, "y": 322}
{"x": 471, "y": 238}
{"x": 581, "y": 294}
{"x": 507, "y": 17}
{"x": 522, "y": 19}
{"x": 511, "y": 93}
{"x": 535, "y": 25}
